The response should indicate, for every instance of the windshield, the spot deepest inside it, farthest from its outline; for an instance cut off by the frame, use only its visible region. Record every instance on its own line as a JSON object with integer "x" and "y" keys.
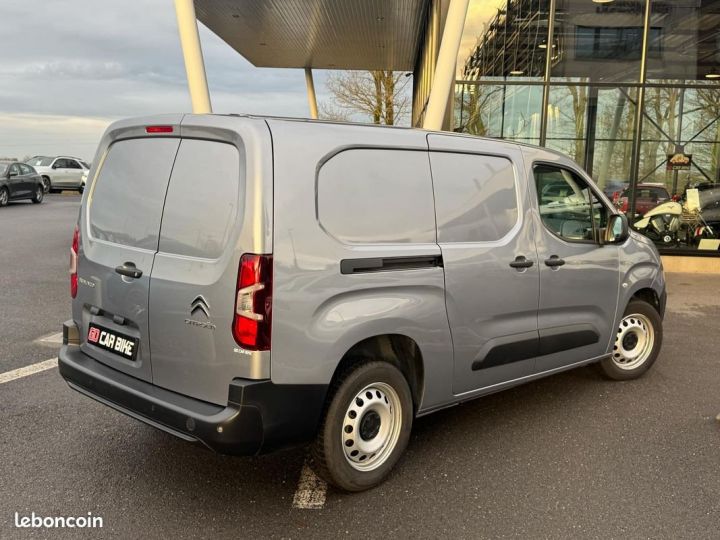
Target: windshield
{"x": 84, "y": 164}
{"x": 40, "y": 161}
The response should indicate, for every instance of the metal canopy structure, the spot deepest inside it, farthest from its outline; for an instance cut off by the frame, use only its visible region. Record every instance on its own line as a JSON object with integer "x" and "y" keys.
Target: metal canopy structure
{"x": 322, "y": 34}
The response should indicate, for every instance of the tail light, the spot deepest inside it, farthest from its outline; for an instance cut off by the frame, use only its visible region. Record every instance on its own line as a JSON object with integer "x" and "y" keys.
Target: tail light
{"x": 73, "y": 262}
{"x": 253, "y": 302}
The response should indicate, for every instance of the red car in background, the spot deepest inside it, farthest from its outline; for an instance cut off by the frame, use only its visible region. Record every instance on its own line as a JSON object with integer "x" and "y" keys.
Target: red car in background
{"x": 648, "y": 197}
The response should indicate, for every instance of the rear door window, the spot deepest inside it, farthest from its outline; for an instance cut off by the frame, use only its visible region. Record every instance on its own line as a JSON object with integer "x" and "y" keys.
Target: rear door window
{"x": 203, "y": 200}
{"x": 126, "y": 200}
{"x": 475, "y": 197}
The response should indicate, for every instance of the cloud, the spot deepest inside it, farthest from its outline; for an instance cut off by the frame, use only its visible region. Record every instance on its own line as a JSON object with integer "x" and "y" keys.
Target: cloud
{"x": 83, "y": 59}
{"x": 24, "y": 134}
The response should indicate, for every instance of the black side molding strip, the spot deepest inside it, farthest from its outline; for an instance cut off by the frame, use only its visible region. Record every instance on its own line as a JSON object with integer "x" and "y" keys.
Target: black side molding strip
{"x": 546, "y": 341}
{"x": 564, "y": 338}
{"x": 386, "y": 264}
{"x": 523, "y": 348}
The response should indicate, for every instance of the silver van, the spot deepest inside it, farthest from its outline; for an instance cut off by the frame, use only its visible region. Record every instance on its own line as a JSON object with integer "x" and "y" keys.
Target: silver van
{"x": 250, "y": 283}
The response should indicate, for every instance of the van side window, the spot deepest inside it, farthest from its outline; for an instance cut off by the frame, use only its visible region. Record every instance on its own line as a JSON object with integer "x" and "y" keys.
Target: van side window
{"x": 568, "y": 207}
{"x": 201, "y": 207}
{"x": 127, "y": 198}
{"x": 368, "y": 195}
{"x": 475, "y": 197}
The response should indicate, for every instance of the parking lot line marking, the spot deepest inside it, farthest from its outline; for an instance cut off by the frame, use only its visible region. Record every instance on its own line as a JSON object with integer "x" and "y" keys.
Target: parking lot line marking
{"x": 52, "y": 339}
{"x": 311, "y": 490}
{"x": 28, "y": 370}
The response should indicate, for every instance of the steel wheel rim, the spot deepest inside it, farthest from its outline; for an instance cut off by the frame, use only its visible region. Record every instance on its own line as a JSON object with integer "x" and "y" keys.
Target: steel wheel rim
{"x": 371, "y": 426}
{"x": 634, "y": 341}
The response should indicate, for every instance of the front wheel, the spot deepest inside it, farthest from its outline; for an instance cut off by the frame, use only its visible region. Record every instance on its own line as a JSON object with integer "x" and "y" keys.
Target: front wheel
{"x": 4, "y": 196}
{"x": 366, "y": 427}
{"x": 637, "y": 342}
{"x": 46, "y": 184}
{"x": 39, "y": 194}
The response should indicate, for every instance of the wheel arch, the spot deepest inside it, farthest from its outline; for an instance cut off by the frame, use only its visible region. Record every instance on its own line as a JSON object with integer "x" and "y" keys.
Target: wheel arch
{"x": 398, "y": 349}
{"x": 648, "y": 295}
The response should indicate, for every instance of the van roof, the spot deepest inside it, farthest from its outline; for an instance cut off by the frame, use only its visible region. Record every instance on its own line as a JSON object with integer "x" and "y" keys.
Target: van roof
{"x": 407, "y": 128}
{"x": 179, "y": 117}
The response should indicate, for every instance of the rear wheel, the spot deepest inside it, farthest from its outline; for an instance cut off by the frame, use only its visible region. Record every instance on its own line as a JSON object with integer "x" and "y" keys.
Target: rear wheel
{"x": 4, "y": 196}
{"x": 39, "y": 194}
{"x": 637, "y": 342}
{"x": 366, "y": 427}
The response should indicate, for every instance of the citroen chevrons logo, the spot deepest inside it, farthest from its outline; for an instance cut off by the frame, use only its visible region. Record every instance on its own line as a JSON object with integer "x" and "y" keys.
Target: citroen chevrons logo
{"x": 198, "y": 305}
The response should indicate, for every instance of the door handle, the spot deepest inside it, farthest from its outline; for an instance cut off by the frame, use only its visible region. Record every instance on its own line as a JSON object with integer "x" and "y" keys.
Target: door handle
{"x": 128, "y": 270}
{"x": 554, "y": 261}
{"x": 521, "y": 262}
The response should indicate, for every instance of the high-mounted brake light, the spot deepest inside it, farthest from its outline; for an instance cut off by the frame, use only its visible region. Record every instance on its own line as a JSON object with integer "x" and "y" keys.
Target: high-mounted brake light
{"x": 253, "y": 302}
{"x": 159, "y": 129}
{"x": 74, "y": 250}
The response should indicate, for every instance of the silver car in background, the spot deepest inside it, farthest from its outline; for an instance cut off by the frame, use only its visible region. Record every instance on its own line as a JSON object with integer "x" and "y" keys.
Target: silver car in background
{"x": 61, "y": 172}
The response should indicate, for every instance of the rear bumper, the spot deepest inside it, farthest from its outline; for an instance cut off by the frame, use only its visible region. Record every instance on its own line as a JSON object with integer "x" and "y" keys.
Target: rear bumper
{"x": 260, "y": 416}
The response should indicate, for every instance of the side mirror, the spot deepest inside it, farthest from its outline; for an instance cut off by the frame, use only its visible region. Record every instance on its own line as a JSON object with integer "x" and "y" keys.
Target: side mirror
{"x": 618, "y": 229}
{"x": 12, "y": 173}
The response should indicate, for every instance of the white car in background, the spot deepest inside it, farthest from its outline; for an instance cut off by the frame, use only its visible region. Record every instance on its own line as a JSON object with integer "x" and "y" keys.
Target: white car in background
{"x": 61, "y": 172}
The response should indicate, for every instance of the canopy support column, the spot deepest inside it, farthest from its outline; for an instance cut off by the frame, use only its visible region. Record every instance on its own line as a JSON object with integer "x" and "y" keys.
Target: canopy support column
{"x": 444, "y": 76}
{"x": 312, "y": 98}
{"x": 192, "y": 53}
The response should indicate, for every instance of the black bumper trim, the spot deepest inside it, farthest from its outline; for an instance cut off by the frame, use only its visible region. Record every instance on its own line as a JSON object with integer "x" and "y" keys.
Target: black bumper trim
{"x": 260, "y": 416}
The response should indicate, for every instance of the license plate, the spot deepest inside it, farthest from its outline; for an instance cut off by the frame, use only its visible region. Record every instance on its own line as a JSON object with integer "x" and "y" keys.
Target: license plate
{"x": 113, "y": 341}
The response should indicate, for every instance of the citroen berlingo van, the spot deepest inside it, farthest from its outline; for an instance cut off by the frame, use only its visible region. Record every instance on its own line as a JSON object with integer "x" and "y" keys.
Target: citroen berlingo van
{"x": 250, "y": 283}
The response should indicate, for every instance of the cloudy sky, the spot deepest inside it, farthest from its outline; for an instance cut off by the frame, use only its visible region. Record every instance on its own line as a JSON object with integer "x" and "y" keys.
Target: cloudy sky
{"x": 69, "y": 67}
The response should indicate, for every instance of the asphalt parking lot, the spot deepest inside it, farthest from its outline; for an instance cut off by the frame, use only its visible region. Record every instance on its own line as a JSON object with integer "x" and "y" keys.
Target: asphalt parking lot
{"x": 571, "y": 456}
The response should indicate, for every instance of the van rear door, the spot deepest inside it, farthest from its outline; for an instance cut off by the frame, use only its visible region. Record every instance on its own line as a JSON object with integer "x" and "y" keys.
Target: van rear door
{"x": 120, "y": 227}
{"x": 218, "y": 206}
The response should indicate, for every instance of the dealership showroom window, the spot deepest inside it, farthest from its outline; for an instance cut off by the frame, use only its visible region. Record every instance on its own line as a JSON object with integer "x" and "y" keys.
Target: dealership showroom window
{"x": 633, "y": 97}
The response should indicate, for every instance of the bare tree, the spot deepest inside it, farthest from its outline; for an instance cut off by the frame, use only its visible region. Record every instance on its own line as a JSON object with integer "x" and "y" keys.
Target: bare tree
{"x": 377, "y": 95}
{"x": 330, "y": 111}
{"x": 477, "y": 105}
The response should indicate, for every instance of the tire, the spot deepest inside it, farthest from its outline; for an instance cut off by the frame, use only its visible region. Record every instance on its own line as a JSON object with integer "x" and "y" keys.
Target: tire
{"x": 355, "y": 425}
{"x": 46, "y": 184}
{"x": 81, "y": 189}
{"x": 637, "y": 343}
{"x": 39, "y": 195}
{"x": 4, "y": 196}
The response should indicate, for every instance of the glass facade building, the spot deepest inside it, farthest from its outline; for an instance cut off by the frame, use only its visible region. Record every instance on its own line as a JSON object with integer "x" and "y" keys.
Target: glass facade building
{"x": 628, "y": 89}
